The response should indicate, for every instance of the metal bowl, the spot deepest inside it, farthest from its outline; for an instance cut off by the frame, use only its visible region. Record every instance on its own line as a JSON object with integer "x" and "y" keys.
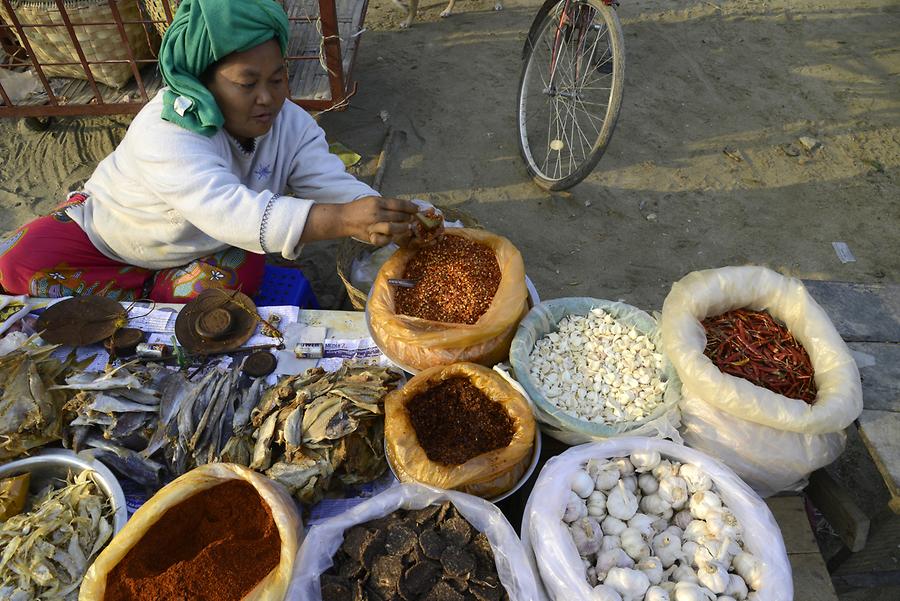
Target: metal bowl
{"x": 535, "y": 457}
{"x": 50, "y": 466}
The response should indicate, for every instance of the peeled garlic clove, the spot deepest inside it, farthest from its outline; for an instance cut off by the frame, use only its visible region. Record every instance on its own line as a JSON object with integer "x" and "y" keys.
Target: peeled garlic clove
{"x": 648, "y": 484}
{"x": 601, "y": 592}
{"x": 582, "y": 484}
{"x": 644, "y": 461}
{"x": 697, "y": 480}
{"x": 627, "y": 582}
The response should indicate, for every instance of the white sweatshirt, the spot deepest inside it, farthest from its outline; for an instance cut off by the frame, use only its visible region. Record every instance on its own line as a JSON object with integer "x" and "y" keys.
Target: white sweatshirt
{"x": 167, "y": 196}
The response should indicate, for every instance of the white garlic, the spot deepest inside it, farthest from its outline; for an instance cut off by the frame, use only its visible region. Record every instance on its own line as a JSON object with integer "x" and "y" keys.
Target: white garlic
{"x": 701, "y": 502}
{"x": 630, "y": 483}
{"x": 673, "y": 490}
{"x": 722, "y": 523}
{"x": 601, "y": 592}
{"x": 654, "y": 504}
{"x": 643, "y": 523}
{"x": 675, "y": 531}
{"x": 610, "y": 541}
{"x": 690, "y": 591}
{"x": 665, "y": 469}
{"x": 690, "y": 549}
{"x": 591, "y": 575}
{"x": 587, "y": 535}
{"x": 582, "y": 484}
{"x": 626, "y": 468}
{"x": 613, "y": 558}
{"x": 736, "y": 588}
{"x": 695, "y": 531}
{"x": 652, "y": 567}
{"x": 596, "y": 504}
{"x": 749, "y": 568}
{"x": 684, "y": 573}
{"x": 613, "y": 525}
{"x": 667, "y": 548}
{"x": 725, "y": 598}
{"x": 575, "y": 508}
{"x": 633, "y": 544}
{"x": 660, "y": 524}
{"x": 644, "y": 461}
{"x": 605, "y": 473}
{"x": 697, "y": 480}
{"x": 621, "y": 503}
{"x": 713, "y": 576}
{"x": 648, "y": 484}
{"x": 683, "y": 518}
{"x": 629, "y": 583}
{"x": 656, "y": 593}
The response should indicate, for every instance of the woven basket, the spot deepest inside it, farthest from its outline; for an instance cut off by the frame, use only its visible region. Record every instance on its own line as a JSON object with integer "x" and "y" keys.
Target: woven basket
{"x": 157, "y": 12}
{"x": 349, "y": 249}
{"x": 98, "y": 42}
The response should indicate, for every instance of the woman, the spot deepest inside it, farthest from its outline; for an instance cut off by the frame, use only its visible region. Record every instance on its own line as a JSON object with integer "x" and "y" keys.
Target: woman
{"x": 191, "y": 197}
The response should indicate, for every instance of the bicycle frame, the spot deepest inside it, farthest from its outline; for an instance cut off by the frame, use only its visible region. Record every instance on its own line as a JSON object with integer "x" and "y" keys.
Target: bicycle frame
{"x": 539, "y": 17}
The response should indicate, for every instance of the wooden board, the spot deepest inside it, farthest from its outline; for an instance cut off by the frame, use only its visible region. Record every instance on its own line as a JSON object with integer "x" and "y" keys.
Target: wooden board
{"x": 880, "y": 373}
{"x": 880, "y": 431}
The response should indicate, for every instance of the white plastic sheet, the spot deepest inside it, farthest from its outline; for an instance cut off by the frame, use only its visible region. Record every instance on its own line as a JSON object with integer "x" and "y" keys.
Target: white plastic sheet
{"x": 550, "y": 544}
{"x": 544, "y": 319}
{"x": 767, "y": 438}
{"x": 323, "y": 540}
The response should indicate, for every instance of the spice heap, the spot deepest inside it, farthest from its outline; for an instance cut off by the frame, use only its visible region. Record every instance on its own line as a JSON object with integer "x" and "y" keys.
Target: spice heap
{"x": 430, "y": 554}
{"x": 47, "y": 550}
{"x": 217, "y": 545}
{"x": 597, "y": 369}
{"x": 456, "y": 280}
{"x": 753, "y": 346}
{"x": 455, "y": 421}
{"x": 650, "y": 528}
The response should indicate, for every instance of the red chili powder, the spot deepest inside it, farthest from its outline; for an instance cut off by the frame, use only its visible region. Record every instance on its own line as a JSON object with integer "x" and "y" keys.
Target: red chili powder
{"x": 215, "y": 546}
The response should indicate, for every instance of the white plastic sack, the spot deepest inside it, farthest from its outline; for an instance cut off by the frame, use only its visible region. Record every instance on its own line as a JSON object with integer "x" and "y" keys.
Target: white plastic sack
{"x": 549, "y": 543}
{"x": 788, "y": 459}
{"x": 777, "y": 456}
{"x": 323, "y": 540}
{"x": 542, "y": 320}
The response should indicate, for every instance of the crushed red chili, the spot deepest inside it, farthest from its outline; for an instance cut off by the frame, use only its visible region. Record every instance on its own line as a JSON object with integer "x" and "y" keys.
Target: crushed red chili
{"x": 753, "y": 346}
{"x": 456, "y": 280}
{"x": 455, "y": 421}
{"x": 214, "y": 546}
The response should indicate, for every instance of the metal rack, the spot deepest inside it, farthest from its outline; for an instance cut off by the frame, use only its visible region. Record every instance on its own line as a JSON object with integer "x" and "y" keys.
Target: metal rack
{"x": 324, "y": 40}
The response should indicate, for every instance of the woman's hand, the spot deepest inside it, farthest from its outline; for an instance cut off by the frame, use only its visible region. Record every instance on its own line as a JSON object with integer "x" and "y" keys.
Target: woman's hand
{"x": 379, "y": 220}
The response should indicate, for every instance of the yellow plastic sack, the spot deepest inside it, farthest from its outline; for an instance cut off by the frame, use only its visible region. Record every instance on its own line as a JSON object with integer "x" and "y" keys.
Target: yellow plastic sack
{"x": 271, "y": 588}
{"x": 486, "y": 475}
{"x": 421, "y": 343}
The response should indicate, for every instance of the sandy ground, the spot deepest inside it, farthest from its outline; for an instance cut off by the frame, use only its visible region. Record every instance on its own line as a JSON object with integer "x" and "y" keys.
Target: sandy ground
{"x": 701, "y": 76}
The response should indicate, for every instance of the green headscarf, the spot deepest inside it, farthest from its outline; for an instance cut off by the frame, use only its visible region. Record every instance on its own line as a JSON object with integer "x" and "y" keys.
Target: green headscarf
{"x": 203, "y": 32}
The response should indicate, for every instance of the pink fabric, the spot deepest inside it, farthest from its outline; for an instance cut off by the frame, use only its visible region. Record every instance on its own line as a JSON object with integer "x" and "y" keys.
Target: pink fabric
{"x": 53, "y": 257}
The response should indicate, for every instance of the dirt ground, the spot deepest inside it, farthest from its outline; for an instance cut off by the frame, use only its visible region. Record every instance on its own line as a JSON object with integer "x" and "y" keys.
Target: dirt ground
{"x": 702, "y": 76}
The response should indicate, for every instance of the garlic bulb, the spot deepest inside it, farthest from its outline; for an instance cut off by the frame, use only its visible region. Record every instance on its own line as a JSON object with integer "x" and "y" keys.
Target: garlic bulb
{"x": 713, "y": 576}
{"x": 736, "y": 588}
{"x": 631, "y": 484}
{"x": 660, "y": 525}
{"x": 631, "y": 584}
{"x": 575, "y": 508}
{"x": 664, "y": 469}
{"x": 690, "y": 548}
{"x": 613, "y": 558}
{"x": 633, "y": 544}
{"x": 689, "y": 591}
{"x": 591, "y": 575}
{"x": 653, "y": 568}
{"x": 722, "y": 523}
{"x": 701, "y": 503}
{"x": 610, "y": 541}
{"x": 697, "y": 480}
{"x": 605, "y": 474}
{"x": 644, "y": 461}
{"x": 656, "y": 593}
{"x": 612, "y": 525}
{"x": 667, "y": 548}
{"x": 654, "y": 504}
{"x": 683, "y": 518}
{"x": 587, "y": 535}
{"x": 626, "y": 468}
{"x": 695, "y": 531}
{"x": 648, "y": 484}
{"x": 596, "y": 504}
{"x": 675, "y": 531}
{"x": 725, "y": 598}
{"x": 621, "y": 503}
{"x": 601, "y": 592}
{"x": 673, "y": 490}
{"x": 723, "y": 550}
{"x": 683, "y": 573}
{"x": 582, "y": 484}
{"x": 749, "y": 568}
{"x": 643, "y": 523}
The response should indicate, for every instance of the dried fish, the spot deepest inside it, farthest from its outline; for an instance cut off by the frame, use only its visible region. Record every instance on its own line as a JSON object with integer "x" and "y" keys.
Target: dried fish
{"x": 47, "y": 550}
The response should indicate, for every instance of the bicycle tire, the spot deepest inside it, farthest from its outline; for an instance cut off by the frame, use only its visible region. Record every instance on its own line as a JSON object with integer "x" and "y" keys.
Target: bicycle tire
{"x": 545, "y": 22}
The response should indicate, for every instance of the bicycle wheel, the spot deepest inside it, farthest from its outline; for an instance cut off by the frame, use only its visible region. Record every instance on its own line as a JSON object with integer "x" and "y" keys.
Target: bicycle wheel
{"x": 570, "y": 91}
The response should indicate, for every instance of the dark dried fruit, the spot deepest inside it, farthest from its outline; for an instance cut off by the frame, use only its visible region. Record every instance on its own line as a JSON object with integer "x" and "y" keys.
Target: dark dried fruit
{"x": 334, "y": 591}
{"x": 356, "y": 540}
{"x": 426, "y": 513}
{"x": 481, "y": 548}
{"x": 456, "y": 531}
{"x": 485, "y": 592}
{"x": 457, "y": 563}
{"x": 374, "y": 549}
{"x": 419, "y": 579}
{"x": 432, "y": 543}
{"x": 400, "y": 540}
{"x": 386, "y": 573}
{"x": 442, "y": 591}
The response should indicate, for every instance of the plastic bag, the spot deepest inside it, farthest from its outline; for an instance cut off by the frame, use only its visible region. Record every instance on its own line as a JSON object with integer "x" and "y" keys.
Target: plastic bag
{"x": 417, "y": 343}
{"x": 486, "y": 475}
{"x": 542, "y": 320}
{"x": 324, "y": 539}
{"x": 550, "y": 545}
{"x": 284, "y": 512}
{"x": 787, "y": 459}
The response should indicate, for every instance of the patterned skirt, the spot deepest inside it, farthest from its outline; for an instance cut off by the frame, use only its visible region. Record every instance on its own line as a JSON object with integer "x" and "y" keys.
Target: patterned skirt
{"x": 53, "y": 257}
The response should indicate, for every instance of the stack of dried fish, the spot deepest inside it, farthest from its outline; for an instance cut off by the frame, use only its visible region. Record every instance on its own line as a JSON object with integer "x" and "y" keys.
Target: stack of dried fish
{"x": 311, "y": 427}
{"x": 47, "y": 550}
{"x": 30, "y": 410}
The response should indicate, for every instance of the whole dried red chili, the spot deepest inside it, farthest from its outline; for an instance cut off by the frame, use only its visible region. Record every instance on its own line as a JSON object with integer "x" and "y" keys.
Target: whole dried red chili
{"x": 753, "y": 346}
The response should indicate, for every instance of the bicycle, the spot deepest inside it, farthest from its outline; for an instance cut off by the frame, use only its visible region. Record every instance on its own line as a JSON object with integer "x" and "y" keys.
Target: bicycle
{"x": 574, "y": 69}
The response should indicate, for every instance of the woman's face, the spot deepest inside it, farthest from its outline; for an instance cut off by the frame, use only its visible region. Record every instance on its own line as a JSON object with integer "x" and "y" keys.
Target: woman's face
{"x": 250, "y": 87}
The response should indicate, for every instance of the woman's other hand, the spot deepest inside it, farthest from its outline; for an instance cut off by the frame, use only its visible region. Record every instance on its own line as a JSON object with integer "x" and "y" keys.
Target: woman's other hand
{"x": 379, "y": 220}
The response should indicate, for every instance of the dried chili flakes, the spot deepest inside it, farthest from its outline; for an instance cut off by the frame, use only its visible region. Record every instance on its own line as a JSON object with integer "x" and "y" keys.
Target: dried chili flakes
{"x": 455, "y": 421}
{"x": 753, "y": 346}
{"x": 456, "y": 280}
